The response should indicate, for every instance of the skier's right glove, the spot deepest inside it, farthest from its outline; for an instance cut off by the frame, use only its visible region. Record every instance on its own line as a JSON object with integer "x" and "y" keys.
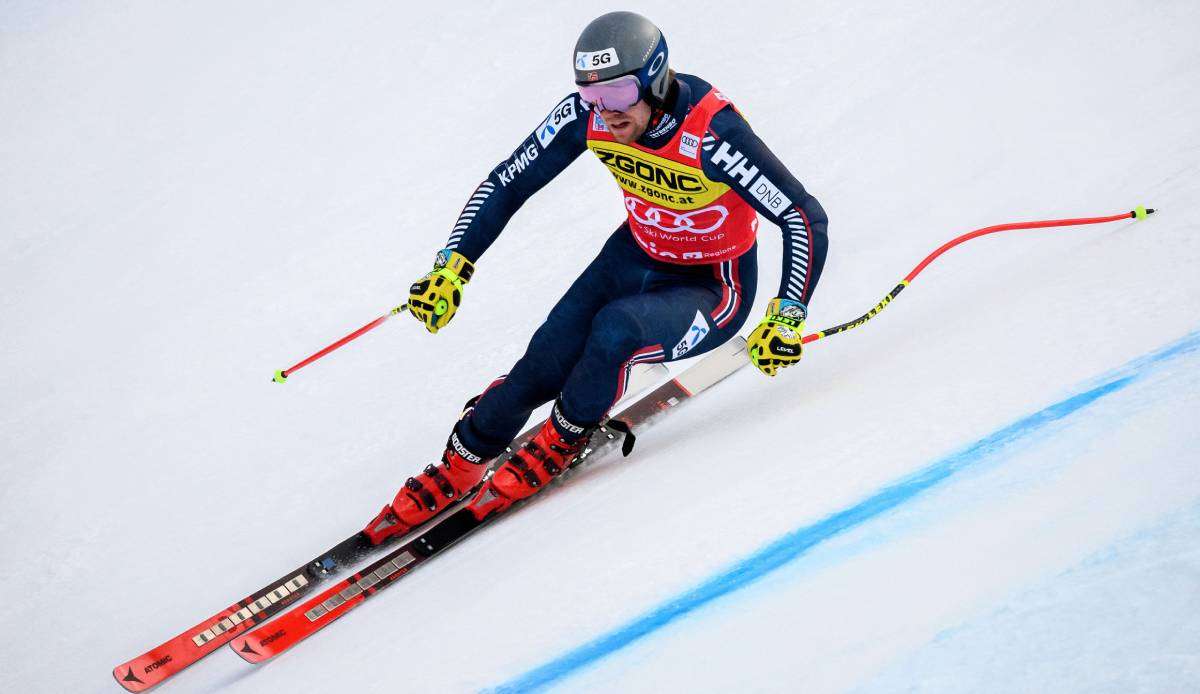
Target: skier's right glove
{"x": 434, "y": 298}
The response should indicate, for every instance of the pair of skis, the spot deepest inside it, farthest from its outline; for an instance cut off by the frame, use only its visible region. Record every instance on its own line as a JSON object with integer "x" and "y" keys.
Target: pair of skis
{"x": 243, "y": 624}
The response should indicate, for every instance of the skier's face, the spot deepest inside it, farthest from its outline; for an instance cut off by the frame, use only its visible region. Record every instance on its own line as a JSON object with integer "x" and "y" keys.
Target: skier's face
{"x": 627, "y": 126}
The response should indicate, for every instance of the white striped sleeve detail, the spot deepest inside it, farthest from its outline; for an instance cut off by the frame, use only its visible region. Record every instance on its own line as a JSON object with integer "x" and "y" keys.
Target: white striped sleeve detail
{"x": 467, "y": 216}
{"x": 797, "y": 233}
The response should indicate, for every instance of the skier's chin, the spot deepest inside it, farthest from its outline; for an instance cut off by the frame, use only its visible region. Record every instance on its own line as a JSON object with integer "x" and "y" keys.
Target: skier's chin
{"x": 624, "y": 134}
{"x": 627, "y": 136}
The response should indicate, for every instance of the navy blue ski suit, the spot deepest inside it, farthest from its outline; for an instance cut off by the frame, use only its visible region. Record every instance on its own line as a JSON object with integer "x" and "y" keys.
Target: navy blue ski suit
{"x": 628, "y": 307}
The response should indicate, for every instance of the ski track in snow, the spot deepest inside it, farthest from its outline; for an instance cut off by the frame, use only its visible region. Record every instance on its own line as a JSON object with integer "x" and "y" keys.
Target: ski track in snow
{"x": 1148, "y": 580}
{"x": 794, "y": 546}
{"x": 192, "y": 196}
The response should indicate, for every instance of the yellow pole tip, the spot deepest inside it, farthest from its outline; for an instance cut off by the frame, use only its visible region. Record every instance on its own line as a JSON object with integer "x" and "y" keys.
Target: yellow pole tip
{"x": 280, "y": 377}
{"x": 1140, "y": 212}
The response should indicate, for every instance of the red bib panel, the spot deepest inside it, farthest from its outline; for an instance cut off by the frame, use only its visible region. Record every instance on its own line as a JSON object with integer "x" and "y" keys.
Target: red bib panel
{"x": 677, "y": 214}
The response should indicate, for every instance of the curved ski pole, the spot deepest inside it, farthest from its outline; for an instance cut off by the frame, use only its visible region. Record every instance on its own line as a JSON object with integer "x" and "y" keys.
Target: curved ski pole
{"x": 1138, "y": 213}
{"x": 282, "y": 374}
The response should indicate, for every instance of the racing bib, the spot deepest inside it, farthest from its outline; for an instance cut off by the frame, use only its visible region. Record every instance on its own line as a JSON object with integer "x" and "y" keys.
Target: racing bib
{"x": 676, "y": 213}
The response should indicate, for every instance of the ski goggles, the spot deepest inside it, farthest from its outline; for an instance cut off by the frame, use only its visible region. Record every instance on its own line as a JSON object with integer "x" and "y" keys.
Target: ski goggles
{"x": 618, "y": 94}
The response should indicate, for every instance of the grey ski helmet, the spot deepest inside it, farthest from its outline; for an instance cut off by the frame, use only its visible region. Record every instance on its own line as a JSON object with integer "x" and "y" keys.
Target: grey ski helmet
{"x": 624, "y": 43}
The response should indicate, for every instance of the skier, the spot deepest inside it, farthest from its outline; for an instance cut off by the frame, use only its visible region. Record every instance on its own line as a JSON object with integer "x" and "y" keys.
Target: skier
{"x": 676, "y": 279}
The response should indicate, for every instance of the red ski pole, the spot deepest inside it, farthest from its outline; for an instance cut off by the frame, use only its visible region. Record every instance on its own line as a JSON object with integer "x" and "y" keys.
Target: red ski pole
{"x": 1138, "y": 213}
{"x": 282, "y": 374}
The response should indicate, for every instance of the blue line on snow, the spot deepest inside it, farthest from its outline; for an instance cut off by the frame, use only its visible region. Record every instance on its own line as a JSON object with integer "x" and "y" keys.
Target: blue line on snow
{"x": 797, "y": 543}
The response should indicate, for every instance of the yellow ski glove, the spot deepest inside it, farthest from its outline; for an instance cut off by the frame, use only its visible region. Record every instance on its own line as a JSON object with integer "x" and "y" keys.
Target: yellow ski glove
{"x": 434, "y": 298}
{"x": 776, "y": 341}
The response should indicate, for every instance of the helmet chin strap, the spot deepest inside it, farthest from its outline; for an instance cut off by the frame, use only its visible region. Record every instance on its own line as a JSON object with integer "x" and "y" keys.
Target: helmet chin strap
{"x": 659, "y": 108}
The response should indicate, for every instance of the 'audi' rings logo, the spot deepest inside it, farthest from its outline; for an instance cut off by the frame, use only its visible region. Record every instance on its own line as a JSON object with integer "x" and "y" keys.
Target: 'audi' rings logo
{"x": 699, "y": 221}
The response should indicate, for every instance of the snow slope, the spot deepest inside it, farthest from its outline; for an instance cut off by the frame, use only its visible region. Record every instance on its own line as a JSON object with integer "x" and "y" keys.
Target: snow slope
{"x": 193, "y": 195}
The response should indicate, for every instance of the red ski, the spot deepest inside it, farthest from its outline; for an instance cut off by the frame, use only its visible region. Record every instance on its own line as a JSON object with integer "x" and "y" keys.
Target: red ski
{"x": 269, "y": 640}
{"x": 163, "y": 661}
{"x": 167, "y": 659}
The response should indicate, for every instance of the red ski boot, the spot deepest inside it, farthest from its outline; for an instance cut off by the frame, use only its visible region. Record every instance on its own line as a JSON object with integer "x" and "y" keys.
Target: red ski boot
{"x": 540, "y": 460}
{"x": 423, "y": 496}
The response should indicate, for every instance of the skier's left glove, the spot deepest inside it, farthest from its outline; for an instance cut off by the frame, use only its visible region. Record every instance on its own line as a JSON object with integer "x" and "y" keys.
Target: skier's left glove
{"x": 776, "y": 341}
{"x": 434, "y": 298}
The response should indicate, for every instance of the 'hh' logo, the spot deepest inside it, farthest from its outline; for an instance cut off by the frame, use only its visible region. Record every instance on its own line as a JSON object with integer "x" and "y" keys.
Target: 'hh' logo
{"x": 740, "y": 169}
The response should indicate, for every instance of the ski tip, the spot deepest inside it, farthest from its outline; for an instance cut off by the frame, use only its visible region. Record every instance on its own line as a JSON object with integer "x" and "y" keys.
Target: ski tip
{"x": 245, "y": 651}
{"x": 125, "y": 676}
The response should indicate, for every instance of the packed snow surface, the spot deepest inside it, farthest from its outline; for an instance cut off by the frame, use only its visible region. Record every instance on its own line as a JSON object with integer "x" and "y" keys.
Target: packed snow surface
{"x": 993, "y": 486}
